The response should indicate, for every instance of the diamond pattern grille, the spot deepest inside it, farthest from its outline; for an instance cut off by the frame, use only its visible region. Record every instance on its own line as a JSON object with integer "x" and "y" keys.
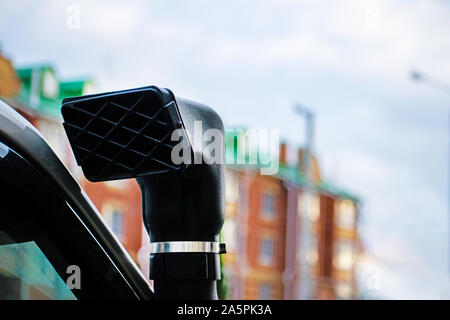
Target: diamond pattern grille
{"x": 122, "y": 135}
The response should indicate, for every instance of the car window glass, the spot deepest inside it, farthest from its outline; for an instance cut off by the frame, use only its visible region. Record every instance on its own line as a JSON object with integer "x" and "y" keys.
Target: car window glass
{"x": 27, "y": 274}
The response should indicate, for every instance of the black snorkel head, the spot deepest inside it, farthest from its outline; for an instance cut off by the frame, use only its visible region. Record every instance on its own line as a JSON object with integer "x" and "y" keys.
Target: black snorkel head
{"x": 175, "y": 149}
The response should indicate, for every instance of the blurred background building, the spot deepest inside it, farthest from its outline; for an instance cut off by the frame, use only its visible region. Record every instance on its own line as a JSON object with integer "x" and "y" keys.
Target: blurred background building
{"x": 263, "y": 226}
{"x": 264, "y": 213}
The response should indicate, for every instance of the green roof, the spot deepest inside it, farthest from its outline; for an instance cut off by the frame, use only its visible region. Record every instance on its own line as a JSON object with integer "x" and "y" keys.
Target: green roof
{"x": 329, "y": 187}
{"x": 72, "y": 88}
{"x": 45, "y": 106}
{"x": 285, "y": 172}
{"x": 25, "y": 73}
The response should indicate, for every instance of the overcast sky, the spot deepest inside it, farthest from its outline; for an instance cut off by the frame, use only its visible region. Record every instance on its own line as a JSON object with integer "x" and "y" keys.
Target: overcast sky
{"x": 377, "y": 133}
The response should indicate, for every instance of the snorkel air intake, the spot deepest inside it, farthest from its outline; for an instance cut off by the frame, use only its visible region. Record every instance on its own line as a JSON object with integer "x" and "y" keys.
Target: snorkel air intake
{"x": 157, "y": 138}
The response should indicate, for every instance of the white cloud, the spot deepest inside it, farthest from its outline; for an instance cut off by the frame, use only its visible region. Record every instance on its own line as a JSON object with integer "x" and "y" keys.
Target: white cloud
{"x": 114, "y": 20}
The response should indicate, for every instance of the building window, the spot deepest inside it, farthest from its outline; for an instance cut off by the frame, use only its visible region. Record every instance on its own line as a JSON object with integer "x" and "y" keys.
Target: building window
{"x": 116, "y": 222}
{"x": 343, "y": 256}
{"x": 267, "y": 251}
{"x": 344, "y": 291}
{"x": 346, "y": 214}
{"x": 229, "y": 234}
{"x": 265, "y": 291}
{"x": 115, "y": 219}
{"x": 309, "y": 204}
{"x": 268, "y": 205}
{"x": 312, "y": 252}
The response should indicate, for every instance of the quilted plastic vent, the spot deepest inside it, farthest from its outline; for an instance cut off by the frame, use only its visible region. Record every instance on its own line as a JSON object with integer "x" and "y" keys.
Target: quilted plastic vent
{"x": 121, "y": 135}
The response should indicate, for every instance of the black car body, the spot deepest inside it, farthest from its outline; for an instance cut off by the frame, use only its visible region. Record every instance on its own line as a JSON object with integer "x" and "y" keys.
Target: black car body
{"x": 49, "y": 228}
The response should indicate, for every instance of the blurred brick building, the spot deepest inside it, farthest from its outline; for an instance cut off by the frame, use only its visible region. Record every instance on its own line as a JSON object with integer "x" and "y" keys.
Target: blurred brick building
{"x": 265, "y": 214}
{"x": 263, "y": 226}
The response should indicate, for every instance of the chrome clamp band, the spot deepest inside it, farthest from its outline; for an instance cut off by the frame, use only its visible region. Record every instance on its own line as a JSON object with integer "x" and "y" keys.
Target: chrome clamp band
{"x": 187, "y": 246}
